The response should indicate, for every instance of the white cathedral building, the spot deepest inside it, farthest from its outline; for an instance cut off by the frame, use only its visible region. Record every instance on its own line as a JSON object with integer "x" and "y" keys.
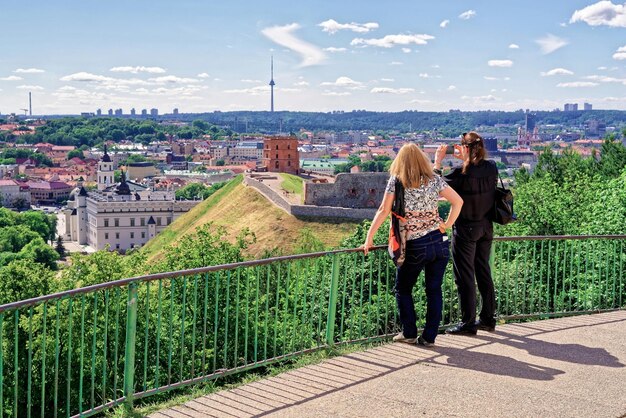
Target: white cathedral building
{"x": 121, "y": 215}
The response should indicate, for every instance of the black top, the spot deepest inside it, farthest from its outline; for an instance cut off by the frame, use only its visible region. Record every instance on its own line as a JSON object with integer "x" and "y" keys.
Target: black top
{"x": 476, "y": 188}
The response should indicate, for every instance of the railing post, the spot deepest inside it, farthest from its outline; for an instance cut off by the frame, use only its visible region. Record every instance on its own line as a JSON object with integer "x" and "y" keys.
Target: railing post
{"x": 332, "y": 302}
{"x": 129, "y": 352}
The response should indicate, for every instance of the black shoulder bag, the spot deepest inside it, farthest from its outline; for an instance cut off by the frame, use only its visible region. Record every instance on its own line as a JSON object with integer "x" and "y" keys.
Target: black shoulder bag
{"x": 503, "y": 205}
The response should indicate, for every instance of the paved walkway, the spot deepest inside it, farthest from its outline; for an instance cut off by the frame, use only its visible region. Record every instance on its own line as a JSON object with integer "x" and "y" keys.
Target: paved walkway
{"x": 568, "y": 367}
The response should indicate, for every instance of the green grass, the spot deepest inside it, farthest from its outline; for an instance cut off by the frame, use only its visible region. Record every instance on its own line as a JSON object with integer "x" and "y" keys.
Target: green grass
{"x": 233, "y": 382}
{"x": 172, "y": 232}
{"x": 291, "y": 183}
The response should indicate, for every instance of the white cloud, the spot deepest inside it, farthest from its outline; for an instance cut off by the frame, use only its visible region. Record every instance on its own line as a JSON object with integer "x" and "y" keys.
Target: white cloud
{"x": 29, "y": 70}
{"x": 139, "y": 69}
{"x": 203, "y": 75}
{"x": 25, "y": 87}
{"x": 514, "y": 46}
{"x": 602, "y": 68}
{"x": 301, "y": 83}
{"x": 467, "y": 15}
{"x": 556, "y": 71}
{"x": 602, "y": 13}
{"x": 391, "y": 91}
{"x": 332, "y": 26}
{"x": 486, "y": 98}
{"x": 578, "y": 84}
{"x": 396, "y": 63}
{"x": 246, "y": 80}
{"x": 500, "y": 63}
{"x": 11, "y": 78}
{"x": 435, "y": 66}
{"x": 426, "y": 75}
{"x": 335, "y": 93}
{"x": 451, "y": 88}
{"x": 406, "y": 50}
{"x": 444, "y": 24}
{"x": 283, "y": 36}
{"x": 390, "y": 41}
{"x": 606, "y": 79}
{"x": 334, "y": 49}
{"x": 550, "y": 43}
{"x": 488, "y": 78}
{"x": 389, "y": 80}
{"x": 253, "y": 91}
{"x": 620, "y": 54}
{"x": 343, "y": 82}
{"x": 86, "y": 77}
{"x": 172, "y": 79}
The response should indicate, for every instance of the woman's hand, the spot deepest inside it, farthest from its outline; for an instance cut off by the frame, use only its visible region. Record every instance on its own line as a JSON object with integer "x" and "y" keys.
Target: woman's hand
{"x": 461, "y": 152}
{"x": 443, "y": 227}
{"x": 369, "y": 243}
{"x": 440, "y": 155}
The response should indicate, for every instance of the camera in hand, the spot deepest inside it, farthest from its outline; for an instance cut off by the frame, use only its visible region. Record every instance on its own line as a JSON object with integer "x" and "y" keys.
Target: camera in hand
{"x": 450, "y": 149}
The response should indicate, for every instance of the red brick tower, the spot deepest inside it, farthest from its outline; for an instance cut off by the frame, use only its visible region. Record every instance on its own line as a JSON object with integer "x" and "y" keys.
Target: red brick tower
{"x": 280, "y": 154}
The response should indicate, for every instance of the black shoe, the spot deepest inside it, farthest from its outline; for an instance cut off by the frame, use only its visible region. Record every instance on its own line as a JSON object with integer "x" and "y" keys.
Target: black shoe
{"x": 459, "y": 329}
{"x": 484, "y": 327}
{"x": 423, "y": 342}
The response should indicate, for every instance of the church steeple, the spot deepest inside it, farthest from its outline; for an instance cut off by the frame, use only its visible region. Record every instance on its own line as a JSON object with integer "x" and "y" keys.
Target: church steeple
{"x": 105, "y": 171}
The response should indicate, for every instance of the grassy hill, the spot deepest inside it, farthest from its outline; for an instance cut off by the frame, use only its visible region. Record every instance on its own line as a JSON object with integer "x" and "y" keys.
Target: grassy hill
{"x": 235, "y": 207}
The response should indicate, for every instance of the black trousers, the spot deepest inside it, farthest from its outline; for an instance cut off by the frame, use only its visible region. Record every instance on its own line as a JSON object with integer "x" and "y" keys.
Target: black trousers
{"x": 471, "y": 247}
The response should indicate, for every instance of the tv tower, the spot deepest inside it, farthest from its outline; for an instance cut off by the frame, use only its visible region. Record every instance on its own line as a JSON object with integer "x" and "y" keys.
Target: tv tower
{"x": 272, "y": 84}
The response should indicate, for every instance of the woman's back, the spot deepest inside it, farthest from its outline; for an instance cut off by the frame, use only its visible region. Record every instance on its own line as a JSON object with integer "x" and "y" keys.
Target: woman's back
{"x": 477, "y": 189}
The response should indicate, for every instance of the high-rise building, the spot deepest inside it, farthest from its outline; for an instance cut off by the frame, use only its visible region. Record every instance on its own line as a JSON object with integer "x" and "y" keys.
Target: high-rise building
{"x": 99, "y": 112}
{"x": 175, "y": 111}
{"x": 144, "y": 112}
{"x": 154, "y": 112}
{"x": 110, "y": 112}
{"x": 587, "y": 106}
{"x": 531, "y": 121}
{"x": 570, "y": 107}
{"x": 133, "y": 112}
{"x": 118, "y": 112}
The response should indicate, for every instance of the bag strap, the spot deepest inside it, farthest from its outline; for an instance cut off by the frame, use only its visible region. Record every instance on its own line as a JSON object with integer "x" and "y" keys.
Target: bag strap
{"x": 501, "y": 182}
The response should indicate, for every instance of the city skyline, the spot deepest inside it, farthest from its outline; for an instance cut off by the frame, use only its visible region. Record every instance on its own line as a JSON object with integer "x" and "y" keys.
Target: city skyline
{"x": 200, "y": 57}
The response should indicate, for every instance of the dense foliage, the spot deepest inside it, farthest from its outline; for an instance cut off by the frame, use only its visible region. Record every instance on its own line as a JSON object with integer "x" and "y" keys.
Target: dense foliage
{"x": 198, "y": 190}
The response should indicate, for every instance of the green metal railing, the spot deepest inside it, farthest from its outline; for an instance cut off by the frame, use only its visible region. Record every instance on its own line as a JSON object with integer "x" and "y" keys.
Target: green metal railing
{"x": 80, "y": 352}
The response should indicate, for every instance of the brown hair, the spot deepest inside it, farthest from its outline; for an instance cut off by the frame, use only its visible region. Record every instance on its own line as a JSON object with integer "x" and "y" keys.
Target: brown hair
{"x": 411, "y": 166}
{"x": 476, "y": 146}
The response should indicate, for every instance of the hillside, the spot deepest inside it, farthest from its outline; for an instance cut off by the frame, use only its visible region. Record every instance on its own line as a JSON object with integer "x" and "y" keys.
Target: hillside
{"x": 235, "y": 207}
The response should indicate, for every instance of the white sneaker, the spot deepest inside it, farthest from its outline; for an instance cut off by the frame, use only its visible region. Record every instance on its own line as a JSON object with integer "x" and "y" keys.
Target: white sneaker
{"x": 400, "y": 338}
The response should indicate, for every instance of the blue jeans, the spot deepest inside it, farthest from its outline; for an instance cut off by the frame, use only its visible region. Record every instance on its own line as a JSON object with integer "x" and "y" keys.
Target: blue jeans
{"x": 429, "y": 253}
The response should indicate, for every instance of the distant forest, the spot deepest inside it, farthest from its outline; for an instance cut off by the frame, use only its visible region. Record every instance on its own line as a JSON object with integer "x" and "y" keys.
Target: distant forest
{"x": 90, "y": 131}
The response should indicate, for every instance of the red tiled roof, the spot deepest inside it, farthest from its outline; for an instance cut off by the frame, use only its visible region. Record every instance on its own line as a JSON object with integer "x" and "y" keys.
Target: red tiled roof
{"x": 8, "y": 183}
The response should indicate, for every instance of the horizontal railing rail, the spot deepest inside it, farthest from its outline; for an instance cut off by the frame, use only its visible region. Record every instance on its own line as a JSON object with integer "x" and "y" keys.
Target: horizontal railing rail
{"x": 80, "y": 352}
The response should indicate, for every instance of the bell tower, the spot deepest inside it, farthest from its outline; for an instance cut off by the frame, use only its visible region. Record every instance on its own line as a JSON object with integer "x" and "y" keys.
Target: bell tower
{"x": 105, "y": 171}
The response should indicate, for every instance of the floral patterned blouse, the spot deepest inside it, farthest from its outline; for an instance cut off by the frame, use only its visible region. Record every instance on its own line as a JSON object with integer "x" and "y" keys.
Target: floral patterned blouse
{"x": 420, "y": 203}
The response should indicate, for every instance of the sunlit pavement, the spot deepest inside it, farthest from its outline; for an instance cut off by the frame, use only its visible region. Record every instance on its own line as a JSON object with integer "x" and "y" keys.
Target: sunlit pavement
{"x": 567, "y": 367}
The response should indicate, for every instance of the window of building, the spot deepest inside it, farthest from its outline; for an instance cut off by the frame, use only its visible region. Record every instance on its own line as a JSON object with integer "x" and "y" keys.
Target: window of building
{"x": 158, "y": 221}
{"x": 276, "y": 164}
{"x": 143, "y": 235}
{"x": 277, "y": 156}
{"x": 132, "y": 235}
{"x": 169, "y": 220}
{"x": 106, "y": 222}
{"x": 276, "y": 146}
{"x": 117, "y": 246}
{"x": 288, "y": 146}
{"x": 143, "y": 221}
{"x": 106, "y": 235}
{"x": 288, "y": 163}
{"x": 132, "y": 221}
{"x": 116, "y": 222}
{"x": 117, "y": 235}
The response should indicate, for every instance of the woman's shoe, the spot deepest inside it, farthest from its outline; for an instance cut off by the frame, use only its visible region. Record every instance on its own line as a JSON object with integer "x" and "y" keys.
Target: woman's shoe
{"x": 400, "y": 338}
{"x": 460, "y": 329}
{"x": 421, "y": 341}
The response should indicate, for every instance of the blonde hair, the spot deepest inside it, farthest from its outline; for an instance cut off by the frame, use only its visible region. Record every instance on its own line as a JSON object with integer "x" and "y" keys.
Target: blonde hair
{"x": 411, "y": 166}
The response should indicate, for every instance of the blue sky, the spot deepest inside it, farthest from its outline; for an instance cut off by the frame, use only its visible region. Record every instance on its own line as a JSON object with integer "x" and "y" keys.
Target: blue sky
{"x": 78, "y": 56}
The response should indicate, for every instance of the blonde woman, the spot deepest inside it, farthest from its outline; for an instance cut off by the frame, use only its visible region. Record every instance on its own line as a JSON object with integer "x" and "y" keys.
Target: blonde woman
{"x": 413, "y": 191}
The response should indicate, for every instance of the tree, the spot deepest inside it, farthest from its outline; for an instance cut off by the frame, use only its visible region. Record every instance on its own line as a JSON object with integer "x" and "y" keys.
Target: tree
{"x": 60, "y": 248}
{"x": 220, "y": 163}
{"x": 23, "y": 279}
{"x": 75, "y": 153}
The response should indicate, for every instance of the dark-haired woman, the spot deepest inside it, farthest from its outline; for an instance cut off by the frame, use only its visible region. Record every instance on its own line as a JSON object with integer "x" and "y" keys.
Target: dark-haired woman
{"x": 475, "y": 181}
